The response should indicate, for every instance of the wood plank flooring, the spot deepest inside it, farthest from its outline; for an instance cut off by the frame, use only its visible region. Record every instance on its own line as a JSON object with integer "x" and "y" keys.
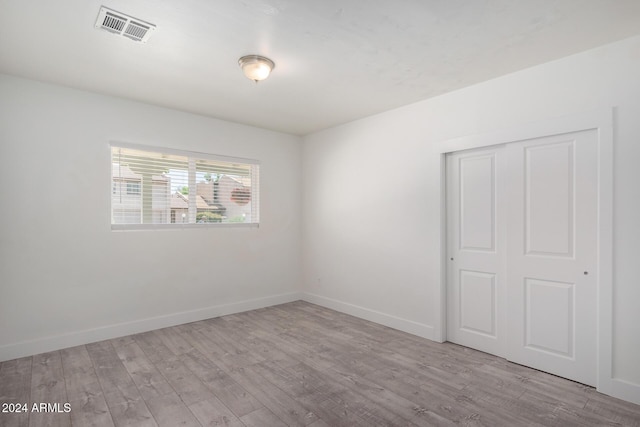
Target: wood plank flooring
{"x": 296, "y": 364}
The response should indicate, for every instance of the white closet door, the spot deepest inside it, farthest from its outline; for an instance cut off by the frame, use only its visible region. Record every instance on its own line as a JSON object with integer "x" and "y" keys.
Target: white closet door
{"x": 552, "y": 254}
{"x": 522, "y": 252}
{"x": 476, "y": 249}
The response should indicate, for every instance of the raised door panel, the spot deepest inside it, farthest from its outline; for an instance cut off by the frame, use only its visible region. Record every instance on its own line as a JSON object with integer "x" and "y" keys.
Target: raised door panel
{"x": 549, "y": 199}
{"x": 549, "y": 316}
{"x": 477, "y": 202}
{"x": 478, "y": 302}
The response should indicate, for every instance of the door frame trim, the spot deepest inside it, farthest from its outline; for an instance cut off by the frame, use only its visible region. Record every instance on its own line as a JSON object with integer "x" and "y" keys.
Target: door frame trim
{"x": 601, "y": 120}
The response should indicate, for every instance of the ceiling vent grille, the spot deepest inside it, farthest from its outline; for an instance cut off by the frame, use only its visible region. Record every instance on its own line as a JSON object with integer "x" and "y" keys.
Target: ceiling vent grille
{"x": 124, "y": 25}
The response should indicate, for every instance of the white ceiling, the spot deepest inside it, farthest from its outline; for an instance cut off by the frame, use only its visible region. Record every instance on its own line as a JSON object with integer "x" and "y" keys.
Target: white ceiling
{"x": 336, "y": 61}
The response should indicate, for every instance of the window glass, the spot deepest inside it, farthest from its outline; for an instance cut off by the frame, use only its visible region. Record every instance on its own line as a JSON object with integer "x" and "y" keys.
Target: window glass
{"x": 162, "y": 186}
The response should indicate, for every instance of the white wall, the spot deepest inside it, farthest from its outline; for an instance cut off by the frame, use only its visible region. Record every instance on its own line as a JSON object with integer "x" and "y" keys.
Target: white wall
{"x": 361, "y": 258}
{"x": 66, "y": 278}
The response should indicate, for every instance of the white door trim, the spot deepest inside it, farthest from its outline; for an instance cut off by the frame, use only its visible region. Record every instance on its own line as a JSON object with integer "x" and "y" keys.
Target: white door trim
{"x": 602, "y": 121}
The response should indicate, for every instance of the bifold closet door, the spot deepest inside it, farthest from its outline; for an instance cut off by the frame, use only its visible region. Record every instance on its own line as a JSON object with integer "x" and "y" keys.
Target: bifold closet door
{"x": 522, "y": 252}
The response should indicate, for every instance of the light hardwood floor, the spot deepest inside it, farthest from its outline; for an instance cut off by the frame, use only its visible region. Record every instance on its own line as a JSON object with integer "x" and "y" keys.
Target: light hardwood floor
{"x": 296, "y": 364}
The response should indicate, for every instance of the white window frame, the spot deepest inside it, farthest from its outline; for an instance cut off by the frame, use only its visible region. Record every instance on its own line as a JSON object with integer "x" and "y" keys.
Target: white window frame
{"x": 192, "y": 155}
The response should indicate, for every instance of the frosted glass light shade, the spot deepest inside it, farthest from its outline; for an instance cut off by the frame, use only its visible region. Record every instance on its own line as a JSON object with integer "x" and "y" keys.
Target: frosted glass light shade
{"x": 256, "y": 67}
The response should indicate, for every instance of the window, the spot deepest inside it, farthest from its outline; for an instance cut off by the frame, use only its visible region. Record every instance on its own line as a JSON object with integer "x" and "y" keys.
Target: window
{"x": 156, "y": 186}
{"x": 133, "y": 188}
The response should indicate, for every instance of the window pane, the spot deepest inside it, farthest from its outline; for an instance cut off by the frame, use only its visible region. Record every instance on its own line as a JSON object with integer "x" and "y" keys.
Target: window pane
{"x": 223, "y": 192}
{"x": 142, "y": 184}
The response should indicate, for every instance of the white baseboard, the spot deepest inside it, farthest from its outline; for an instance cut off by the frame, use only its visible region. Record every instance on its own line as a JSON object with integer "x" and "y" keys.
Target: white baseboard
{"x": 404, "y": 325}
{"x": 625, "y": 390}
{"x": 42, "y": 345}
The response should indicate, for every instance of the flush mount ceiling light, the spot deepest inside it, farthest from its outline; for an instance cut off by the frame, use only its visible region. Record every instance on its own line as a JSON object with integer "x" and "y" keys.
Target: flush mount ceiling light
{"x": 256, "y": 67}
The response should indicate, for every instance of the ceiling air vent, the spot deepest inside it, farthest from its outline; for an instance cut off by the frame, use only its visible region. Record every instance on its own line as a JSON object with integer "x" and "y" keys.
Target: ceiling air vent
{"x": 124, "y": 25}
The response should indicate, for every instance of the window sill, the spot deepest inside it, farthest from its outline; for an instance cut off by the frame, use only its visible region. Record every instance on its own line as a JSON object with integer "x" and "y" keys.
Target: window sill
{"x": 141, "y": 227}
